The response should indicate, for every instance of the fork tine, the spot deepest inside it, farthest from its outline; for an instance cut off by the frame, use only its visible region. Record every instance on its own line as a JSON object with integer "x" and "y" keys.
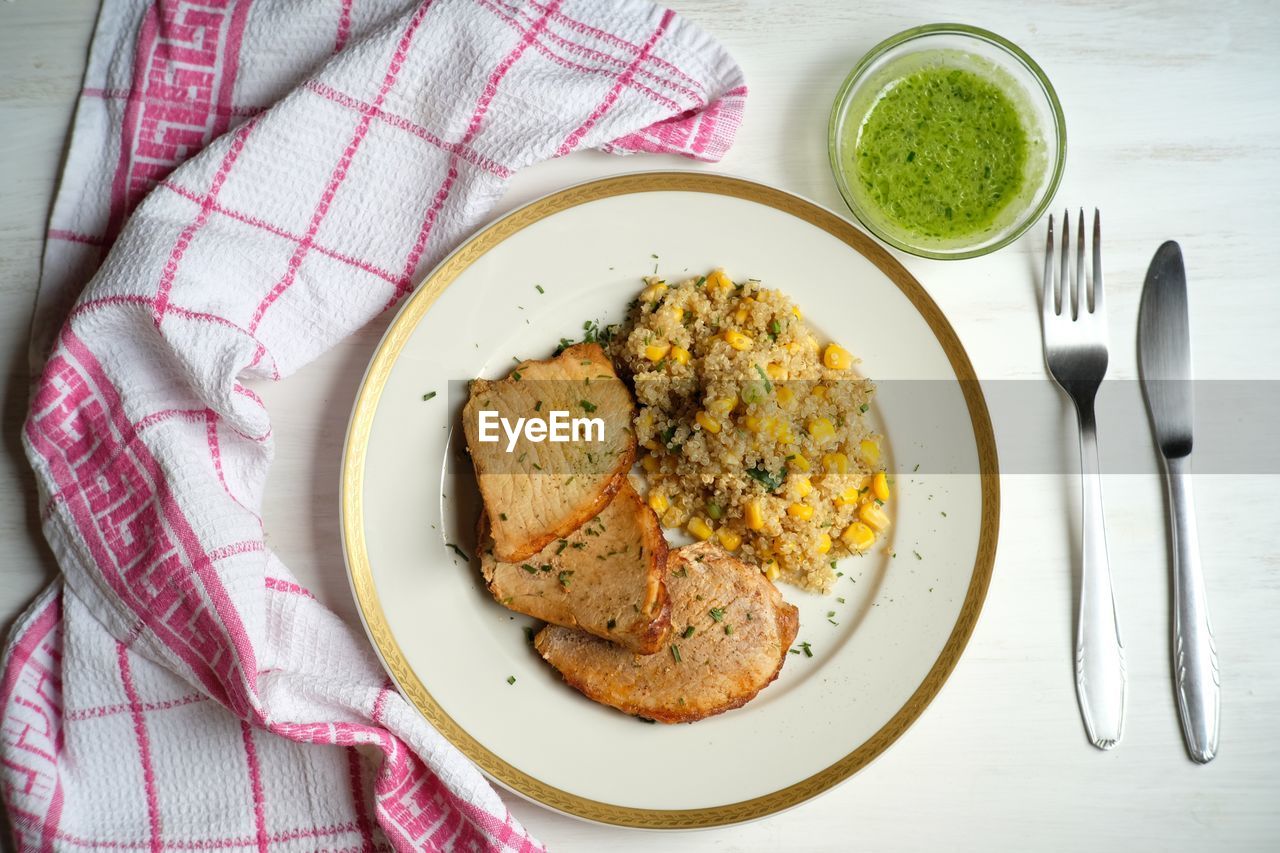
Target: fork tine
{"x": 1049, "y": 303}
{"x": 1064, "y": 304}
{"x": 1095, "y": 292}
{"x": 1078, "y": 286}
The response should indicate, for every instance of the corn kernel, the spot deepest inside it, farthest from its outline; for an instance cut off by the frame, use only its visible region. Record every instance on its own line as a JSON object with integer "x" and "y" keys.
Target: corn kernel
{"x": 680, "y": 355}
{"x": 799, "y": 462}
{"x": 820, "y": 391}
{"x": 873, "y": 516}
{"x": 677, "y": 312}
{"x": 652, "y": 445}
{"x": 870, "y": 449}
{"x": 775, "y": 371}
{"x": 719, "y": 280}
{"x": 737, "y": 340}
{"x": 730, "y": 540}
{"x": 793, "y": 347}
{"x": 743, "y": 311}
{"x": 848, "y": 497}
{"x": 653, "y": 292}
{"x": 752, "y": 423}
{"x": 835, "y": 463}
{"x": 803, "y": 486}
{"x": 880, "y": 486}
{"x": 822, "y": 430}
{"x": 700, "y": 528}
{"x": 755, "y": 515}
{"x": 837, "y": 357}
{"x": 771, "y": 569}
{"x": 858, "y": 536}
{"x": 804, "y": 512}
{"x": 657, "y": 352}
{"x": 649, "y": 463}
{"x": 824, "y": 543}
{"x": 786, "y": 397}
{"x": 795, "y": 309}
{"x": 707, "y": 422}
{"x": 658, "y": 502}
{"x": 722, "y": 406}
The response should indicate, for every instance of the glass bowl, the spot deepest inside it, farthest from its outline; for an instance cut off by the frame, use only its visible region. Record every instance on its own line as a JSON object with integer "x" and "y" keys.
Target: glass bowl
{"x": 998, "y": 61}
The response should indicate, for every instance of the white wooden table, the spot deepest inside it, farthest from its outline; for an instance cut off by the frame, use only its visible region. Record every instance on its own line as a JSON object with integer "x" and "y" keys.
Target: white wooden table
{"x": 1173, "y": 114}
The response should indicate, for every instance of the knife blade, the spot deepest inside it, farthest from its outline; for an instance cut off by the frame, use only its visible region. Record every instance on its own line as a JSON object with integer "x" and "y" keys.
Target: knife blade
{"x": 1164, "y": 361}
{"x": 1164, "y": 351}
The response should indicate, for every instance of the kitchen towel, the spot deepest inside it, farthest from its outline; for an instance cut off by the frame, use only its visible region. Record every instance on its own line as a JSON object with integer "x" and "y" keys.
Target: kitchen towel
{"x": 176, "y": 688}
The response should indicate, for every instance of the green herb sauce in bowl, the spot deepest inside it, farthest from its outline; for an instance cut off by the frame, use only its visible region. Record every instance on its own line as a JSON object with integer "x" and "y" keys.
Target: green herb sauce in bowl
{"x": 947, "y": 141}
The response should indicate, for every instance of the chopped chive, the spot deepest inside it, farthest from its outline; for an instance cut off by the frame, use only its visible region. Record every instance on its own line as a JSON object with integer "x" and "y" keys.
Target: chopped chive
{"x": 863, "y": 408}
{"x": 538, "y": 287}
{"x": 728, "y": 629}
{"x": 564, "y": 543}
{"x": 917, "y": 468}
{"x": 611, "y": 624}
{"x": 530, "y": 569}
{"x": 830, "y": 613}
{"x": 461, "y": 553}
{"x": 717, "y": 613}
{"x": 768, "y": 386}
{"x": 917, "y": 553}
{"x": 537, "y": 407}
{"x": 428, "y": 395}
{"x": 515, "y": 374}
{"x": 675, "y": 653}
{"x": 688, "y": 632}
{"x": 528, "y": 633}
{"x": 565, "y": 578}
{"x": 587, "y": 406}
{"x": 511, "y": 679}
{"x": 502, "y": 515}
{"x": 841, "y": 600}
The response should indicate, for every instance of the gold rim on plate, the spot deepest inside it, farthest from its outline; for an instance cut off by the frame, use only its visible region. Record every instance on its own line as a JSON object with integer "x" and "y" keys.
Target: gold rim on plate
{"x": 361, "y": 575}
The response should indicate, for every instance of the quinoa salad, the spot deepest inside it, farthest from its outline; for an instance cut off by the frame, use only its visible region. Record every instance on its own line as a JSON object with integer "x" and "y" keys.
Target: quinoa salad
{"x": 752, "y": 430}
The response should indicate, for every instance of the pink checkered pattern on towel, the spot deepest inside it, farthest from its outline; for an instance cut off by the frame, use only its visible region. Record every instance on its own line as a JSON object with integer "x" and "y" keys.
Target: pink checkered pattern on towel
{"x": 177, "y": 689}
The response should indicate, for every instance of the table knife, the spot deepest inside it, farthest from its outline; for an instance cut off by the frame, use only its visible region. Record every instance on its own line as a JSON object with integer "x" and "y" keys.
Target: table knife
{"x": 1164, "y": 359}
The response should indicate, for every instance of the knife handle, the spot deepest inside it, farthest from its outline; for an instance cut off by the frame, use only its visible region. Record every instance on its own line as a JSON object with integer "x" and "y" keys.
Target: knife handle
{"x": 1100, "y": 676}
{"x": 1195, "y": 660}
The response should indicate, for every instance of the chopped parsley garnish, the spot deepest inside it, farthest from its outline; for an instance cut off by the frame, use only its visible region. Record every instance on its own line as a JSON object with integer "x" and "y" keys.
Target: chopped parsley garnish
{"x": 772, "y": 482}
{"x": 587, "y": 406}
{"x": 428, "y": 395}
{"x": 764, "y": 377}
{"x": 717, "y": 613}
{"x": 675, "y": 653}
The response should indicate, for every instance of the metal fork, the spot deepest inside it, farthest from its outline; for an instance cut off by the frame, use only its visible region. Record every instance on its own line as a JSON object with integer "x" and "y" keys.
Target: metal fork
{"x": 1075, "y": 351}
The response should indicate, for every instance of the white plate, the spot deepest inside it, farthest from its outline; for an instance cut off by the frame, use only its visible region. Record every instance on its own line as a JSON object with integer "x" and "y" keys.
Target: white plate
{"x": 451, "y": 649}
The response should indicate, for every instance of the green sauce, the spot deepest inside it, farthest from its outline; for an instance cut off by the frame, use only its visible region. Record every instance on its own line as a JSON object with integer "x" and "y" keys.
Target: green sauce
{"x": 940, "y": 154}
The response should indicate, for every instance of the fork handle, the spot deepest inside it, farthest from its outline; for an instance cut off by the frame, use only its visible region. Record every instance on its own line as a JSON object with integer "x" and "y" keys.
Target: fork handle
{"x": 1100, "y": 676}
{"x": 1195, "y": 660}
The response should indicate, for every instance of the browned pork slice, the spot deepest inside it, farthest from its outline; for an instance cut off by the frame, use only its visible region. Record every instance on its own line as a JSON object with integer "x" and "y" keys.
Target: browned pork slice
{"x": 605, "y": 578}
{"x": 536, "y": 491}
{"x": 730, "y": 632}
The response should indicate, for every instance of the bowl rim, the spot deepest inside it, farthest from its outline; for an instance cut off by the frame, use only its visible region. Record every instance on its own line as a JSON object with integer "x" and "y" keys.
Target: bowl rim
{"x": 855, "y": 76}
